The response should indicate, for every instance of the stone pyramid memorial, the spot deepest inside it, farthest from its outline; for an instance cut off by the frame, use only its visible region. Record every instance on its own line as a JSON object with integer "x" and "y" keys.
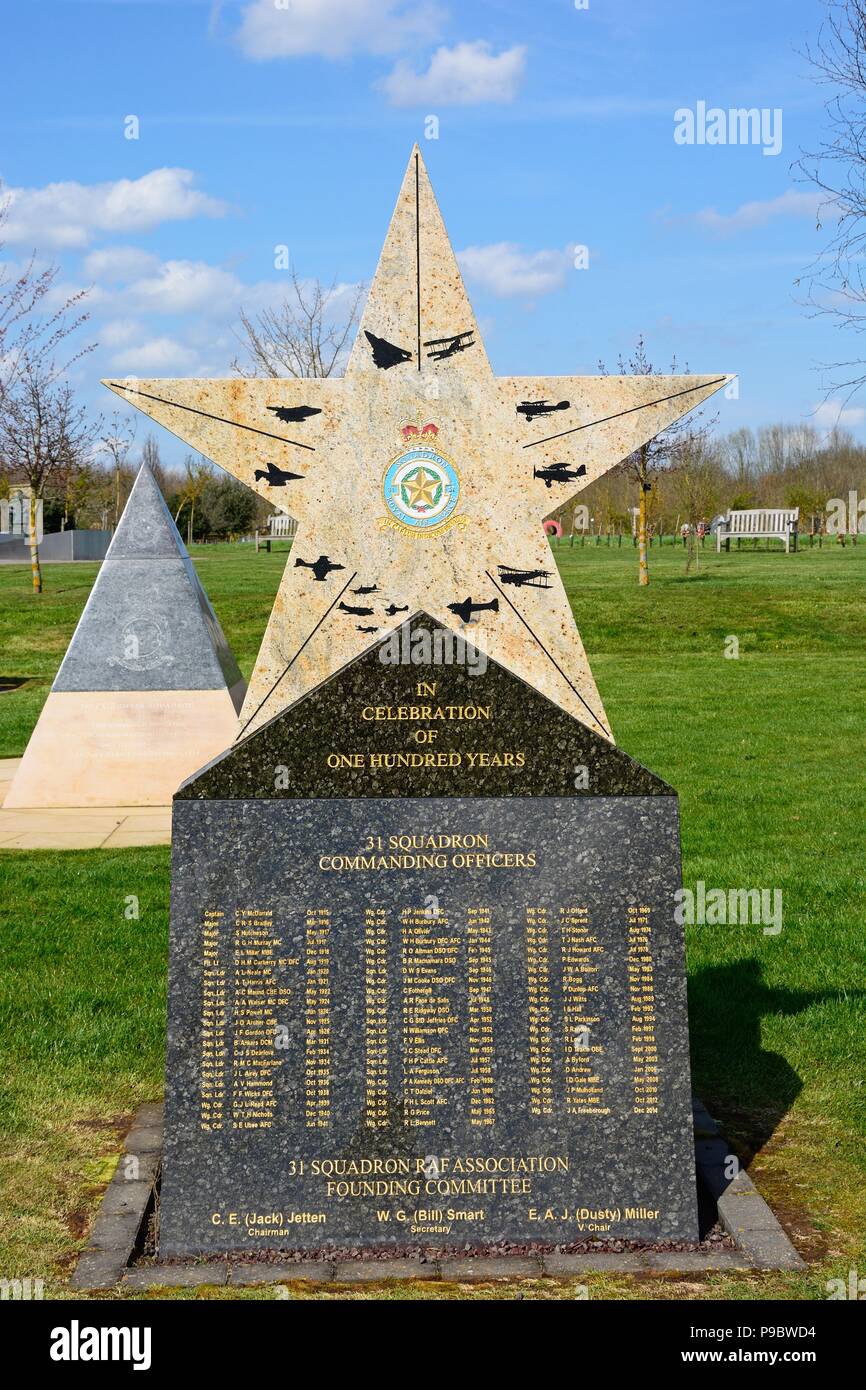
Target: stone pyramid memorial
{"x": 148, "y": 689}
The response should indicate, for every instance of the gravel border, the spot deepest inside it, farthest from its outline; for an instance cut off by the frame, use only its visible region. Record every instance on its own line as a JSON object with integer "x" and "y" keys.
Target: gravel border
{"x": 115, "y": 1239}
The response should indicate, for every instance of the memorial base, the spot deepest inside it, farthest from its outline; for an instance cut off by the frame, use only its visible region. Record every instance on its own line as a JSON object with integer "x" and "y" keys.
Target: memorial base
{"x": 119, "y": 748}
{"x": 118, "y": 1254}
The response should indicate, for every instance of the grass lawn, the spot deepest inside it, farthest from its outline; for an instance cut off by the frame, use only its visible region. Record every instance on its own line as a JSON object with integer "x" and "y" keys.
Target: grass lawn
{"x": 765, "y": 751}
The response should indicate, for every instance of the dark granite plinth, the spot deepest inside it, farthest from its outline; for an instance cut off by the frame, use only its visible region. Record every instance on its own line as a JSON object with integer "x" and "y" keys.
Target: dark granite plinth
{"x": 445, "y": 1006}
{"x": 373, "y": 1046}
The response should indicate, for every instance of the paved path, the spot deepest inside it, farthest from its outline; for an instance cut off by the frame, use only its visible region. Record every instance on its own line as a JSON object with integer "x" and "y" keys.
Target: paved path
{"x": 80, "y": 827}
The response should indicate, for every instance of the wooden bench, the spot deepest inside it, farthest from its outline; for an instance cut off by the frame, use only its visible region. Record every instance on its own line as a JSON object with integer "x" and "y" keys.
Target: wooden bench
{"x": 280, "y": 528}
{"x": 760, "y": 523}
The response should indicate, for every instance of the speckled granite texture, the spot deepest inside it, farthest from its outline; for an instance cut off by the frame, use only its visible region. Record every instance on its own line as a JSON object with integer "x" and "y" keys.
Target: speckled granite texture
{"x": 293, "y": 754}
{"x": 288, "y": 1117}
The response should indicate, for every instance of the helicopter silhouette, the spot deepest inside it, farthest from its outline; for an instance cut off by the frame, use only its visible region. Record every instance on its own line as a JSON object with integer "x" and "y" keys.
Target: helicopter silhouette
{"x": 386, "y": 354}
{"x": 356, "y": 612}
{"x": 532, "y": 408}
{"x": 532, "y": 579}
{"x": 321, "y": 568}
{"x": 558, "y": 473}
{"x": 447, "y": 347}
{"x": 466, "y": 608}
{"x": 294, "y": 414}
{"x": 274, "y": 476}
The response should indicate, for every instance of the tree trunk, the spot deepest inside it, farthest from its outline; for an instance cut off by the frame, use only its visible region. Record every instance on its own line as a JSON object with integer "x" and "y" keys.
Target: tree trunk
{"x": 35, "y": 567}
{"x": 189, "y": 527}
{"x": 643, "y": 569}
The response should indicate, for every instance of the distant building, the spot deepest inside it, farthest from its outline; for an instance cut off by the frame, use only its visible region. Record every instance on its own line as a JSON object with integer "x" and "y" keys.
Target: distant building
{"x": 53, "y": 545}
{"x": 15, "y": 513}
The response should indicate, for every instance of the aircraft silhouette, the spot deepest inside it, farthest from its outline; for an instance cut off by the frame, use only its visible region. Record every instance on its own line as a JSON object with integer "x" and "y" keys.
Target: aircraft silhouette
{"x": 366, "y": 589}
{"x": 321, "y": 568}
{"x": 356, "y": 612}
{"x": 366, "y": 629}
{"x": 532, "y": 579}
{"x": 532, "y": 408}
{"x": 274, "y": 476}
{"x": 292, "y": 414}
{"x": 386, "y": 354}
{"x": 447, "y": 347}
{"x": 558, "y": 473}
{"x": 466, "y": 608}
{"x": 392, "y": 609}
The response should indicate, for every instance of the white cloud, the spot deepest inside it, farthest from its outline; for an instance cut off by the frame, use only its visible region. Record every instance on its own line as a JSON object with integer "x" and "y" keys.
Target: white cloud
{"x": 334, "y": 28}
{"x": 833, "y": 415}
{"x": 506, "y": 271}
{"x": 177, "y": 317}
{"x": 71, "y": 214}
{"x": 183, "y": 287}
{"x": 114, "y": 264}
{"x": 120, "y": 332}
{"x": 465, "y": 75}
{"x": 178, "y": 287}
{"x": 155, "y": 356}
{"x": 759, "y": 214}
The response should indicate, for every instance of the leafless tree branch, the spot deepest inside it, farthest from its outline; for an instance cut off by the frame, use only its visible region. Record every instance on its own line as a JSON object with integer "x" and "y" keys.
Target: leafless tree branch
{"x": 306, "y": 336}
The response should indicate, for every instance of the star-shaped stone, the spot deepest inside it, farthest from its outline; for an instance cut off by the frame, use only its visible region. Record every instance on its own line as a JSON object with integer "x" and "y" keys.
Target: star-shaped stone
{"x": 377, "y": 536}
{"x": 421, "y": 488}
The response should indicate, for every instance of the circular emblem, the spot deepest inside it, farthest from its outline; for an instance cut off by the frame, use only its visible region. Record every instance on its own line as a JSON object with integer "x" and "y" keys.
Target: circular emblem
{"x": 421, "y": 489}
{"x": 143, "y": 642}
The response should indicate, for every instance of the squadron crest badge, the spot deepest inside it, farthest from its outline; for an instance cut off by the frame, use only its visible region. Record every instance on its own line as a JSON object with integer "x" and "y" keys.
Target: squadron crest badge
{"x": 421, "y": 487}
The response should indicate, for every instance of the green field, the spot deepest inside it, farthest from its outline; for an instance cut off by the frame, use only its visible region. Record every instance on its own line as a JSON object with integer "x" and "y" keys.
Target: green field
{"x": 765, "y": 752}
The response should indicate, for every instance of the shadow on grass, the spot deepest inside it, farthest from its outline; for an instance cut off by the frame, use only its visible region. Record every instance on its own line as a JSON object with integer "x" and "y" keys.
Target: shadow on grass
{"x": 730, "y": 1065}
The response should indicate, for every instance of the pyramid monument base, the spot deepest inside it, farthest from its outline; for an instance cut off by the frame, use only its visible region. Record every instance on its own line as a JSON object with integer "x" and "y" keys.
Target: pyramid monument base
{"x": 149, "y": 689}
{"x": 119, "y": 748}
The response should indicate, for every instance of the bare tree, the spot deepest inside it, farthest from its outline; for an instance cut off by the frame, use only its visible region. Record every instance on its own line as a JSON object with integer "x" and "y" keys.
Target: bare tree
{"x": 657, "y": 455}
{"x": 306, "y": 336}
{"x": 116, "y": 443}
{"x": 43, "y": 434}
{"x": 741, "y": 456}
{"x": 151, "y": 456}
{"x": 696, "y": 487}
{"x": 837, "y": 170}
{"x": 77, "y": 487}
{"x": 198, "y": 474}
{"x": 782, "y": 465}
{"x": 31, "y": 331}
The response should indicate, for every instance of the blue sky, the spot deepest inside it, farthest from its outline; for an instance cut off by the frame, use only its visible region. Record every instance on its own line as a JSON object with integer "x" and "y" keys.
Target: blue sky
{"x": 268, "y": 122}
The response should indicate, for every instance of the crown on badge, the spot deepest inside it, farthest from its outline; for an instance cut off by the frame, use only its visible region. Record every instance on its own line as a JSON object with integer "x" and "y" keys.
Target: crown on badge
{"x": 426, "y": 432}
